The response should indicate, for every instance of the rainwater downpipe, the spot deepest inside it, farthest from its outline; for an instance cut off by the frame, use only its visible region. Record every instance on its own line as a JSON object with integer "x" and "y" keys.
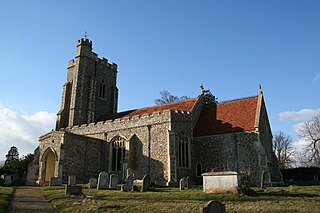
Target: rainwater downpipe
{"x": 149, "y": 149}
{"x": 236, "y": 153}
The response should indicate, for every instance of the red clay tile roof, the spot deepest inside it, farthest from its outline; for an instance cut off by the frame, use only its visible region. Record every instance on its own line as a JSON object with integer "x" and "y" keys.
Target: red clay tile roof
{"x": 227, "y": 117}
{"x": 186, "y": 105}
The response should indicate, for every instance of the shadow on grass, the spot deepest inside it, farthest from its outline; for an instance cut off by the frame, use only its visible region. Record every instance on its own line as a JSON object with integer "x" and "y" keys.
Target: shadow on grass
{"x": 284, "y": 194}
{"x": 110, "y": 207}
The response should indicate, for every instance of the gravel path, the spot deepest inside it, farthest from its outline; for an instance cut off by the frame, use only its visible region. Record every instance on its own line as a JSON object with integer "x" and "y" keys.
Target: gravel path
{"x": 29, "y": 199}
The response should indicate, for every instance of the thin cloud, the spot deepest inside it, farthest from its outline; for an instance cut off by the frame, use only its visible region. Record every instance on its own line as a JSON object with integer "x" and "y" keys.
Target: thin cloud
{"x": 317, "y": 78}
{"x": 302, "y": 115}
{"x": 22, "y": 131}
{"x": 298, "y": 126}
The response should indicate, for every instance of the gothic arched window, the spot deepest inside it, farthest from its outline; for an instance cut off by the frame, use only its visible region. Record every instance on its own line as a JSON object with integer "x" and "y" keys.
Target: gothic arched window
{"x": 184, "y": 150}
{"x": 118, "y": 153}
{"x": 102, "y": 90}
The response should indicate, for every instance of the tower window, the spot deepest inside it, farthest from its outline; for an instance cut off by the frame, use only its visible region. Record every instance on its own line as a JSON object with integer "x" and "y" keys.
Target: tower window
{"x": 102, "y": 90}
{"x": 183, "y": 151}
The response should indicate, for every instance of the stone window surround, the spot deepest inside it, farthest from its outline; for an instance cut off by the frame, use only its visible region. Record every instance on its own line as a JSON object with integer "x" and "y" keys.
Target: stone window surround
{"x": 102, "y": 90}
{"x": 117, "y": 158}
{"x": 184, "y": 151}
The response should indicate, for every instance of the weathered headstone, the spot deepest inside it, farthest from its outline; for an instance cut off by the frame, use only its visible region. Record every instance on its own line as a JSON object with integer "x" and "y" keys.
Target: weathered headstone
{"x": 145, "y": 183}
{"x": 72, "y": 180}
{"x": 262, "y": 180}
{"x": 129, "y": 172}
{"x": 182, "y": 183}
{"x": 103, "y": 180}
{"x": 214, "y": 207}
{"x": 92, "y": 183}
{"x": 73, "y": 190}
{"x": 55, "y": 181}
{"x": 113, "y": 181}
{"x": 129, "y": 182}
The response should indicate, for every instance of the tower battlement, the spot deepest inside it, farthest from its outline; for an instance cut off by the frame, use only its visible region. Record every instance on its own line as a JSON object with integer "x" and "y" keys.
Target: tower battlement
{"x": 86, "y": 42}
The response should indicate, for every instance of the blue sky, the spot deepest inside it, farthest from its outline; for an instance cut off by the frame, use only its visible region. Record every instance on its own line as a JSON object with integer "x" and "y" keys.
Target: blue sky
{"x": 229, "y": 46}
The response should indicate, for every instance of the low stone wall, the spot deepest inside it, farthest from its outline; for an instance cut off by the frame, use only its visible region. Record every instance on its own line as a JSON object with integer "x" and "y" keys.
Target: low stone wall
{"x": 220, "y": 182}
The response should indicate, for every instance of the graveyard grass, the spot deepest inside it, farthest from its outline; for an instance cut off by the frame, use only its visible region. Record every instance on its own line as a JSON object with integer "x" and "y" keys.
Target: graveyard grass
{"x": 5, "y": 195}
{"x": 273, "y": 199}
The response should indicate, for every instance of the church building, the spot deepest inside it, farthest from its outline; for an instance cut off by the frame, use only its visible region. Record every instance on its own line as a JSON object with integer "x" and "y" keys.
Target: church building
{"x": 169, "y": 141}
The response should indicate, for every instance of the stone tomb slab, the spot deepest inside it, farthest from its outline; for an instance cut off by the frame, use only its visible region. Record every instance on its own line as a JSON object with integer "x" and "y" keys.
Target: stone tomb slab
{"x": 221, "y": 182}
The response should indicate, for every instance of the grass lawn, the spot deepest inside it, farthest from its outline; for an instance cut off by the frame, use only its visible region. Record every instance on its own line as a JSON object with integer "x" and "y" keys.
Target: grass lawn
{"x": 5, "y": 194}
{"x": 273, "y": 199}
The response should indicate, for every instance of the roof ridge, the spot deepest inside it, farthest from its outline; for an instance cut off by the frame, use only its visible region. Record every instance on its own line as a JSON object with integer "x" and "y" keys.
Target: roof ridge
{"x": 157, "y": 105}
{"x": 237, "y": 99}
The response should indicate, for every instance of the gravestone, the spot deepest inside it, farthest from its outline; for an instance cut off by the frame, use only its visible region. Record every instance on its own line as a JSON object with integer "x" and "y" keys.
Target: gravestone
{"x": 129, "y": 172}
{"x": 182, "y": 183}
{"x": 145, "y": 183}
{"x": 214, "y": 207}
{"x": 55, "y": 181}
{"x": 73, "y": 190}
{"x": 129, "y": 182}
{"x": 262, "y": 186}
{"x": 72, "y": 180}
{"x": 92, "y": 183}
{"x": 103, "y": 180}
{"x": 113, "y": 181}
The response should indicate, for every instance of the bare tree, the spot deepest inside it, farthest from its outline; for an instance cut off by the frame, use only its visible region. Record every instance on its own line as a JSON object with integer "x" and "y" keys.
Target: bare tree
{"x": 301, "y": 160}
{"x": 282, "y": 146}
{"x": 311, "y": 132}
{"x": 166, "y": 97}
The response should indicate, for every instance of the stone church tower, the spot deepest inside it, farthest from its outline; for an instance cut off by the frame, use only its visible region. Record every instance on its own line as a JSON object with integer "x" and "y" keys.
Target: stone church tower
{"x": 90, "y": 90}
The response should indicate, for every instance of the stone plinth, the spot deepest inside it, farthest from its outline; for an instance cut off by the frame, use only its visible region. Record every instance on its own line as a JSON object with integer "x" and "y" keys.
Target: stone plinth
{"x": 221, "y": 182}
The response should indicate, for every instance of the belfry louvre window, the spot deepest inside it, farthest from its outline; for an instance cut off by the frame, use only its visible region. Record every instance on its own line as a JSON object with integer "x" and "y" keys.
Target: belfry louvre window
{"x": 118, "y": 153}
{"x": 183, "y": 151}
{"x": 102, "y": 90}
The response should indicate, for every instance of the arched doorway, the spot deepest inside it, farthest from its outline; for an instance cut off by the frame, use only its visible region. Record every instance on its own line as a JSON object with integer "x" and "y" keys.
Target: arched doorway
{"x": 49, "y": 165}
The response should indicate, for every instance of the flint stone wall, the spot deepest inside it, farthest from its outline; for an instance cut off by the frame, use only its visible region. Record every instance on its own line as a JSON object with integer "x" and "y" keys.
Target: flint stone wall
{"x": 135, "y": 131}
{"x": 220, "y": 153}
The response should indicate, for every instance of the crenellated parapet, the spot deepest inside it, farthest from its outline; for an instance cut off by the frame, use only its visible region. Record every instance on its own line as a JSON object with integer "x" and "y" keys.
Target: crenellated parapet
{"x": 126, "y": 122}
{"x": 84, "y": 48}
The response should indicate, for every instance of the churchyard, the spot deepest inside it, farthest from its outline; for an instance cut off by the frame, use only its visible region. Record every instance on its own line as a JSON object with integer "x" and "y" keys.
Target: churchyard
{"x": 5, "y": 194}
{"x": 172, "y": 199}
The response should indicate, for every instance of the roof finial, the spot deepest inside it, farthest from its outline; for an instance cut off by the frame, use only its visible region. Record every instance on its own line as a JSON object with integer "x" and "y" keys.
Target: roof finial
{"x": 260, "y": 89}
{"x": 85, "y": 34}
{"x": 208, "y": 97}
{"x": 201, "y": 89}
